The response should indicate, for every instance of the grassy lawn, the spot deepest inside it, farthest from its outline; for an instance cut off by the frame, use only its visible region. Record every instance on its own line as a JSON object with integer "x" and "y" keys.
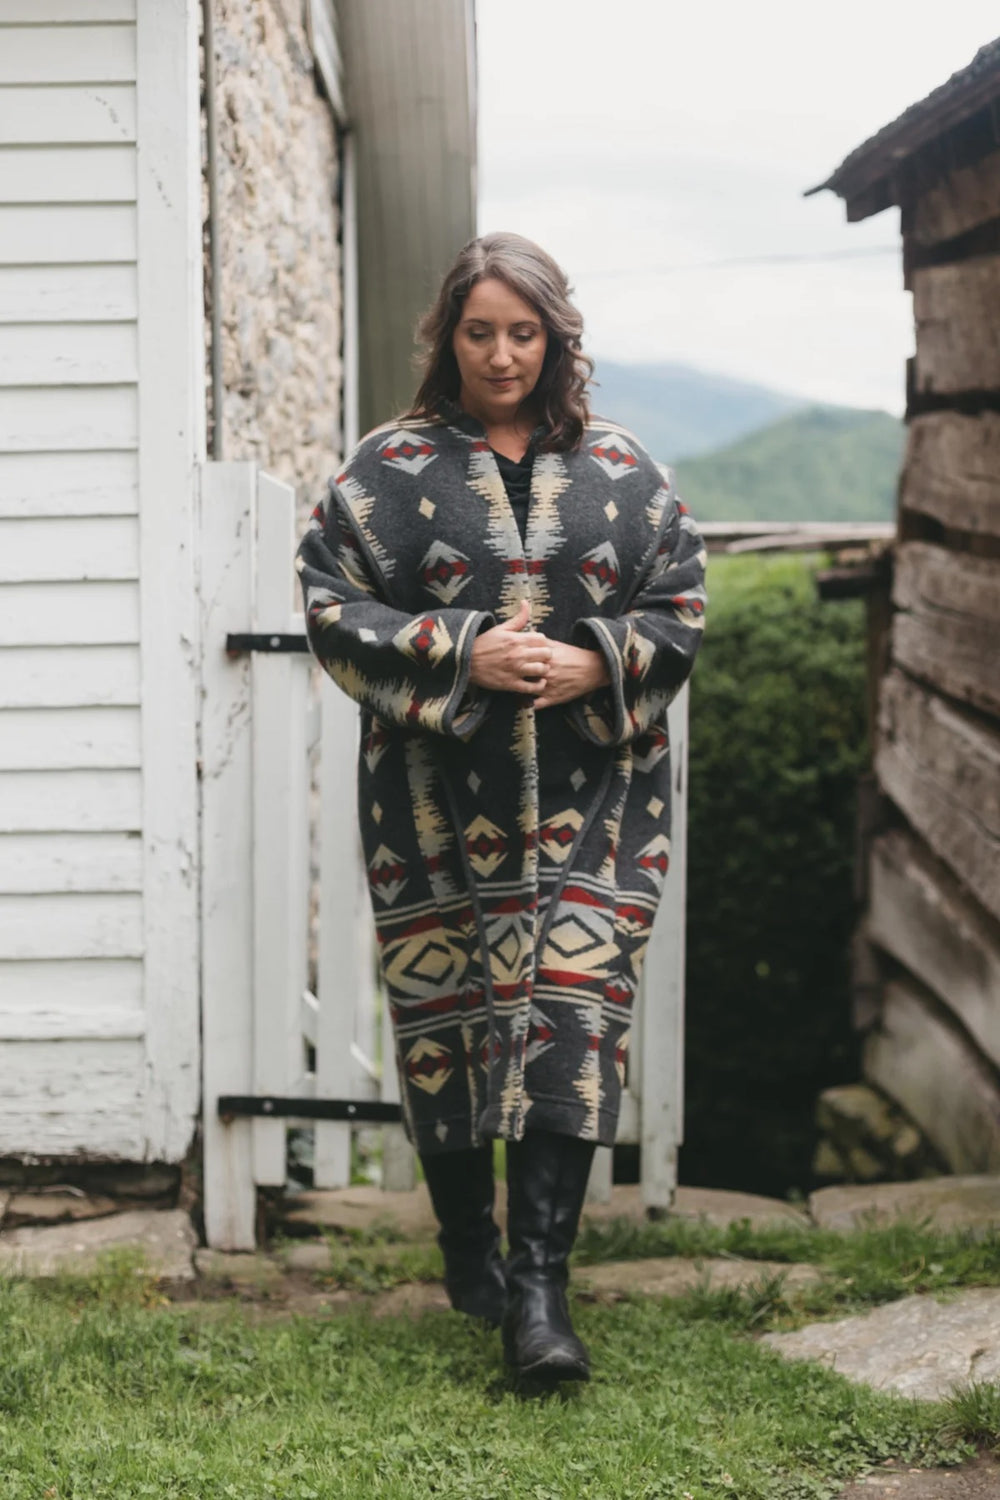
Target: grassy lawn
{"x": 106, "y": 1390}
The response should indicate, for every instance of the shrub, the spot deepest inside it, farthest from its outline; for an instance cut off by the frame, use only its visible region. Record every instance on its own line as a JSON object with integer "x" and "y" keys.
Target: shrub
{"x": 777, "y": 743}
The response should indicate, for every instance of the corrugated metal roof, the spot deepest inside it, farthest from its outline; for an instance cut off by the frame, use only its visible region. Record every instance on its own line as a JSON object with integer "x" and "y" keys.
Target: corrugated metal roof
{"x": 964, "y": 94}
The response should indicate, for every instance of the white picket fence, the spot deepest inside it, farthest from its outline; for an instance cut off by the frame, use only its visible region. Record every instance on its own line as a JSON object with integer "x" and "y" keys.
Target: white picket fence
{"x": 272, "y": 731}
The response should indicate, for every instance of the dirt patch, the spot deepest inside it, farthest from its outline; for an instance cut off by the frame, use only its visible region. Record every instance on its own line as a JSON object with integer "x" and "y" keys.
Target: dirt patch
{"x": 979, "y": 1480}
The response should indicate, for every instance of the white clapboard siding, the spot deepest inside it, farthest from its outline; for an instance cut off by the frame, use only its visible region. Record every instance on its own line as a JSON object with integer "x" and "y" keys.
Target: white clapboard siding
{"x": 48, "y": 12}
{"x": 76, "y": 354}
{"x": 33, "y": 677}
{"x": 71, "y": 998}
{"x": 36, "y": 550}
{"x": 68, "y": 294}
{"x": 68, "y": 484}
{"x": 50, "y": 233}
{"x": 69, "y": 801}
{"x": 59, "y": 1094}
{"x": 87, "y": 113}
{"x": 65, "y": 614}
{"x": 46, "y": 54}
{"x": 57, "y": 739}
{"x": 71, "y": 925}
{"x": 84, "y": 418}
{"x": 66, "y": 174}
{"x": 47, "y": 863}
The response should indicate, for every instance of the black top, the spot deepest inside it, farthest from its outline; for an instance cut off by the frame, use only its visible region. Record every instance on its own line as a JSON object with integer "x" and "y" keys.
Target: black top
{"x": 517, "y": 482}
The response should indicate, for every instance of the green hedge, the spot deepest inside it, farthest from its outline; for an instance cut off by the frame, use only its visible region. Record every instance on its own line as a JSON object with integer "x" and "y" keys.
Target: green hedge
{"x": 777, "y": 743}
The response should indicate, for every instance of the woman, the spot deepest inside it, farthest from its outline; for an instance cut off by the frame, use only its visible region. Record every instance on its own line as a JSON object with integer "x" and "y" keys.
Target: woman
{"x": 512, "y": 592}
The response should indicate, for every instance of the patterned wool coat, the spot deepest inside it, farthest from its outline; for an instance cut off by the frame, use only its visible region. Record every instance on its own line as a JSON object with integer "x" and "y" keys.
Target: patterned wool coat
{"x": 515, "y": 859}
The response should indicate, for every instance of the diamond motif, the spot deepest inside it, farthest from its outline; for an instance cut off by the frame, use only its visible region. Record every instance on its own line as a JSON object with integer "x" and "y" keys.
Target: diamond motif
{"x": 441, "y": 1131}
{"x": 473, "y": 782}
{"x": 556, "y": 834}
{"x": 655, "y": 806}
{"x": 654, "y": 860}
{"x": 428, "y": 1065}
{"x": 402, "y": 450}
{"x": 485, "y": 844}
{"x": 611, "y": 510}
{"x": 577, "y": 779}
{"x": 426, "y": 636}
{"x": 386, "y": 874}
{"x": 377, "y": 812}
{"x": 614, "y": 456}
{"x": 427, "y": 507}
{"x": 444, "y": 572}
{"x": 599, "y": 571}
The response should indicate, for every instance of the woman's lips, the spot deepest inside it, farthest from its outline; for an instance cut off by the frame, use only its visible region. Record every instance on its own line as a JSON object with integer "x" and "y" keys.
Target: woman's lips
{"x": 501, "y": 379}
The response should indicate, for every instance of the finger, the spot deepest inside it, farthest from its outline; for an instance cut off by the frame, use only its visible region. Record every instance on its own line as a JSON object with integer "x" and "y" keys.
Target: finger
{"x": 518, "y": 621}
{"x": 534, "y": 669}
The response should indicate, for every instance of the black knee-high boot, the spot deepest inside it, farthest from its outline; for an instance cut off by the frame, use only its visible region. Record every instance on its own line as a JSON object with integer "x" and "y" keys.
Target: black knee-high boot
{"x": 546, "y": 1182}
{"x": 461, "y": 1187}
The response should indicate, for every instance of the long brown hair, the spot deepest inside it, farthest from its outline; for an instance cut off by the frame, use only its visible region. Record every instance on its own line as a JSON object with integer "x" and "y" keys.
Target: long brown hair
{"x": 561, "y": 390}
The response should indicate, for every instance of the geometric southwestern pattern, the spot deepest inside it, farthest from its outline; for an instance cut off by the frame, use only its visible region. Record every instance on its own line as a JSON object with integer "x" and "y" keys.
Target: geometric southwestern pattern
{"x": 515, "y": 859}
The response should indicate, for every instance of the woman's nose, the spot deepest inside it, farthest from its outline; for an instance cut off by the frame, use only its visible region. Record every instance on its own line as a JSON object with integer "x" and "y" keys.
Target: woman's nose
{"x": 501, "y": 354}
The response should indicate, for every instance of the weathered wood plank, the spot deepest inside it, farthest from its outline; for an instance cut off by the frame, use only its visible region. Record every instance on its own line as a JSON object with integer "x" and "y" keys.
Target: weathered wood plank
{"x": 920, "y": 914}
{"x": 70, "y": 801}
{"x": 67, "y": 114}
{"x": 69, "y": 614}
{"x": 71, "y": 998}
{"x": 63, "y": 1097}
{"x": 53, "y": 419}
{"x": 82, "y": 676}
{"x": 36, "y": 550}
{"x": 952, "y": 471}
{"x": 52, "y": 12}
{"x": 930, "y": 1069}
{"x": 68, "y": 484}
{"x": 73, "y": 354}
{"x": 71, "y": 926}
{"x": 67, "y": 54}
{"x": 958, "y": 336}
{"x": 226, "y": 545}
{"x": 47, "y": 233}
{"x": 964, "y": 199}
{"x": 54, "y": 739}
{"x": 171, "y": 440}
{"x": 36, "y": 863}
{"x": 948, "y": 629}
{"x": 67, "y": 174}
{"x": 942, "y": 768}
{"x": 68, "y": 294}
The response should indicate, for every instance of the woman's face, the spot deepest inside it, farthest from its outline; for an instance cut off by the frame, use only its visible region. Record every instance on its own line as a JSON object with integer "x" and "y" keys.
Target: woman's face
{"x": 499, "y": 343}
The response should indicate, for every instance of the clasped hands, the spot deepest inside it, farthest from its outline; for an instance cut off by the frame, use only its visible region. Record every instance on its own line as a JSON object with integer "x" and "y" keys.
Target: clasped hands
{"x": 515, "y": 660}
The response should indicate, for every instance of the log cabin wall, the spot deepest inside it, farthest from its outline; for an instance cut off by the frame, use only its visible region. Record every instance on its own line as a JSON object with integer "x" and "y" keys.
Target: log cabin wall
{"x": 933, "y": 871}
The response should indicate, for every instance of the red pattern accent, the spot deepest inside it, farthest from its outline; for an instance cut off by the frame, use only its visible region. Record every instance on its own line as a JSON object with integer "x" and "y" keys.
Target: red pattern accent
{"x": 408, "y": 450}
{"x": 616, "y": 456}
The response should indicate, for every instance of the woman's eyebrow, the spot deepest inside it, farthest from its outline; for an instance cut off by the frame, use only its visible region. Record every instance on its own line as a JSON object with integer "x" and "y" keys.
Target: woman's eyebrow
{"x": 518, "y": 323}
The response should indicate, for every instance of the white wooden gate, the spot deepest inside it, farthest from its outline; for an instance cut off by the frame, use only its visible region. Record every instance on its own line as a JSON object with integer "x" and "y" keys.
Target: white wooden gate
{"x": 275, "y": 738}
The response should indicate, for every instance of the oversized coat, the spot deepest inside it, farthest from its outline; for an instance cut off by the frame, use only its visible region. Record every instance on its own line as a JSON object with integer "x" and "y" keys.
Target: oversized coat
{"x": 515, "y": 858}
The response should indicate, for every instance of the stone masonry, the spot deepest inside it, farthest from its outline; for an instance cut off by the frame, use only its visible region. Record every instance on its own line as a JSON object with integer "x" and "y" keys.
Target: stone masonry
{"x": 279, "y": 228}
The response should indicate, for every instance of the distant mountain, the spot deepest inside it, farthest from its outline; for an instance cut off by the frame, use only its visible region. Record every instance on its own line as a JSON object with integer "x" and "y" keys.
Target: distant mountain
{"x": 678, "y": 412}
{"x": 827, "y": 463}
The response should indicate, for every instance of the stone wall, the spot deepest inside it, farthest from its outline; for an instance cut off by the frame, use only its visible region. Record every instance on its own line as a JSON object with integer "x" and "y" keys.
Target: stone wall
{"x": 278, "y": 222}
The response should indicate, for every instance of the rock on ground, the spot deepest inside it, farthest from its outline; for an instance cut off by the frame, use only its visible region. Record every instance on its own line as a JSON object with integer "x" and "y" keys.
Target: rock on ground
{"x": 979, "y": 1480}
{"x": 671, "y": 1276}
{"x": 411, "y": 1215}
{"x": 166, "y": 1240}
{"x": 948, "y": 1202}
{"x": 919, "y": 1347}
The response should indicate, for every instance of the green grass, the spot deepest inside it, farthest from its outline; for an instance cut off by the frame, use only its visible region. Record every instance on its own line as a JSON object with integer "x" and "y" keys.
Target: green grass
{"x": 103, "y": 1393}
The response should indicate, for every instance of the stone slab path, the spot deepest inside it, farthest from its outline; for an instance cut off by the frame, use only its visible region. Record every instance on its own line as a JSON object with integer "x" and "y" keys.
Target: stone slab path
{"x": 166, "y": 1240}
{"x": 979, "y": 1480}
{"x": 919, "y": 1346}
{"x": 671, "y": 1276}
{"x": 948, "y": 1202}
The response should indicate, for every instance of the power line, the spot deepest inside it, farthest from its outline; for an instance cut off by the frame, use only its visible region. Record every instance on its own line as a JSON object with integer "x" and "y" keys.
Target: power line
{"x": 792, "y": 258}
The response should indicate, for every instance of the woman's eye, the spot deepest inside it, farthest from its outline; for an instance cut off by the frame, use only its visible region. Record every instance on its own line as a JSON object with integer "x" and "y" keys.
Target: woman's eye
{"x": 476, "y": 335}
{"x": 525, "y": 338}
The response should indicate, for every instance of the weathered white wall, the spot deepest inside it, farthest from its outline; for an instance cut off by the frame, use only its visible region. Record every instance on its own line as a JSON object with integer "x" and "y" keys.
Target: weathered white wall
{"x": 278, "y": 184}
{"x": 98, "y": 955}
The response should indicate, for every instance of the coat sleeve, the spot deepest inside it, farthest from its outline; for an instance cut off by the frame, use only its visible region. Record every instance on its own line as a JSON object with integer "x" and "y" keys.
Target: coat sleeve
{"x": 408, "y": 670}
{"x": 649, "y": 649}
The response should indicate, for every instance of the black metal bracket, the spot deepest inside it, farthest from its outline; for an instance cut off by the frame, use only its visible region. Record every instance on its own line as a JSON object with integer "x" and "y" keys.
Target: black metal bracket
{"x": 237, "y": 644}
{"x": 276, "y": 1107}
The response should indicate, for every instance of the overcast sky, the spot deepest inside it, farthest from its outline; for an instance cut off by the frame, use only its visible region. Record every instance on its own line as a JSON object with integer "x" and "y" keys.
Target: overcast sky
{"x": 642, "y": 142}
